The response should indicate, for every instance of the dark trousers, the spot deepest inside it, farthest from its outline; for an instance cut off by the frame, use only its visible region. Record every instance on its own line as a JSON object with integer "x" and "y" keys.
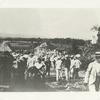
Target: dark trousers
{"x": 75, "y": 74}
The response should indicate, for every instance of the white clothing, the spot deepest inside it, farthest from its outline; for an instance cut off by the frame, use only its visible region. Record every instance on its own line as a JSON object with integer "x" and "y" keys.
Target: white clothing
{"x": 55, "y": 58}
{"x": 30, "y": 62}
{"x": 58, "y": 64}
{"x": 58, "y": 69}
{"x": 92, "y": 88}
{"x": 58, "y": 74}
{"x": 26, "y": 56}
{"x": 72, "y": 63}
{"x": 97, "y": 67}
{"x": 91, "y": 73}
{"x": 52, "y": 58}
{"x": 15, "y": 64}
{"x": 35, "y": 58}
{"x": 72, "y": 67}
{"x": 77, "y": 63}
{"x": 39, "y": 65}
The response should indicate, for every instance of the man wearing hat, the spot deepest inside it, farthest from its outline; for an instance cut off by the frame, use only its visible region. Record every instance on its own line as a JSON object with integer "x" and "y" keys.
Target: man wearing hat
{"x": 58, "y": 68}
{"x": 77, "y": 65}
{"x": 66, "y": 64}
{"x": 92, "y": 77}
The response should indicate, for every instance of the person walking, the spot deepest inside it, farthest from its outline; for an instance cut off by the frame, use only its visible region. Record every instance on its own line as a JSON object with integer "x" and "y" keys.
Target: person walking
{"x": 52, "y": 61}
{"x": 48, "y": 65}
{"x": 72, "y": 66}
{"x": 30, "y": 61}
{"x": 66, "y": 64}
{"x": 30, "y": 64}
{"x": 58, "y": 68}
{"x": 92, "y": 76}
{"x": 77, "y": 64}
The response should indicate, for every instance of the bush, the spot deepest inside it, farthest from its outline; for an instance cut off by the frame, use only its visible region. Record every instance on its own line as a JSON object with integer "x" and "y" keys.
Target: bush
{"x": 87, "y": 52}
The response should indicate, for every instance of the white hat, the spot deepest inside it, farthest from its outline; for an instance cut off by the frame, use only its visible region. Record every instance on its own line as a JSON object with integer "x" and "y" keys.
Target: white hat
{"x": 72, "y": 56}
{"x": 77, "y": 55}
{"x": 25, "y": 56}
{"x": 66, "y": 56}
{"x": 97, "y": 54}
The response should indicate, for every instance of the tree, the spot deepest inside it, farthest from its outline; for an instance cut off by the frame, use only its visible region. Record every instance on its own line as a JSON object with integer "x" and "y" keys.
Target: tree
{"x": 87, "y": 54}
{"x": 95, "y": 28}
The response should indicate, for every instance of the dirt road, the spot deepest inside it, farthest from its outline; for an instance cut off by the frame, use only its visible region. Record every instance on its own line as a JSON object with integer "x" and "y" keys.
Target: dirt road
{"x": 51, "y": 85}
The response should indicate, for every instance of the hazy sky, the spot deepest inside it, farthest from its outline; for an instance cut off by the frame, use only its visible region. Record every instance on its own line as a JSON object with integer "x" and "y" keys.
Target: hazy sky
{"x": 48, "y": 22}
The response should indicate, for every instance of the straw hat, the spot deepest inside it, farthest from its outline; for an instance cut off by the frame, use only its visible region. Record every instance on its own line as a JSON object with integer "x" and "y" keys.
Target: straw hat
{"x": 97, "y": 54}
{"x": 66, "y": 56}
{"x": 78, "y": 55}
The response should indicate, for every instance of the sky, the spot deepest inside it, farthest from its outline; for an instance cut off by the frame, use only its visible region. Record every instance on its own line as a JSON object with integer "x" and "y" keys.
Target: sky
{"x": 49, "y": 22}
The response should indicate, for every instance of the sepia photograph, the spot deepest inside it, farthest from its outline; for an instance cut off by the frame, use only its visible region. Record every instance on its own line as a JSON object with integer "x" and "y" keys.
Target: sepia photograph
{"x": 49, "y": 49}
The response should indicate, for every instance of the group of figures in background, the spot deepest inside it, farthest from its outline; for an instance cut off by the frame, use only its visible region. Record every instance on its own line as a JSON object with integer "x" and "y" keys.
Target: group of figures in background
{"x": 19, "y": 67}
{"x": 61, "y": 62}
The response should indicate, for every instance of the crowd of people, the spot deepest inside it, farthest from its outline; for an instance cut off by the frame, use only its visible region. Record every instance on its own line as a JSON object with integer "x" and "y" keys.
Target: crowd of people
{"x": 18, "y": 67}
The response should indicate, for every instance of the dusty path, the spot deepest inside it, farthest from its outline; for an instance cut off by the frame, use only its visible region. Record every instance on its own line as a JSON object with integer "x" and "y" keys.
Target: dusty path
{"x": 72, "y": 85}
{"x": 51, "y": 85}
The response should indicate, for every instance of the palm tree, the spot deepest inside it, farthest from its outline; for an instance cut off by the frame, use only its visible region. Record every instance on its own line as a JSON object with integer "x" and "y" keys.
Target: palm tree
{"x": 95, "y": 28}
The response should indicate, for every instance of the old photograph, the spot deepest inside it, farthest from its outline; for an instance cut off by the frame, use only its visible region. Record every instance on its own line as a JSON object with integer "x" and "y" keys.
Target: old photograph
{"x": 49, "y": 49}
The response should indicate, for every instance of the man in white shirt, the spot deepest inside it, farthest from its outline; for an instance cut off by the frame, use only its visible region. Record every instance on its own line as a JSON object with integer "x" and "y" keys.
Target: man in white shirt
{"x": 72, "y": 66}
{"x": 52, "y": 61}
{"x": 30, "y": 64}
{"x": 92, "y": 77}
{"x": 30, "y": 61}
{"x": 58, "y": 68}
{"x": 40, "y": 65}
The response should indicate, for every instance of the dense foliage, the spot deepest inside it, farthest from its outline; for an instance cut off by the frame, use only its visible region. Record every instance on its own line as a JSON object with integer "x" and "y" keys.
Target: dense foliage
{"x": 72, "y": 46}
